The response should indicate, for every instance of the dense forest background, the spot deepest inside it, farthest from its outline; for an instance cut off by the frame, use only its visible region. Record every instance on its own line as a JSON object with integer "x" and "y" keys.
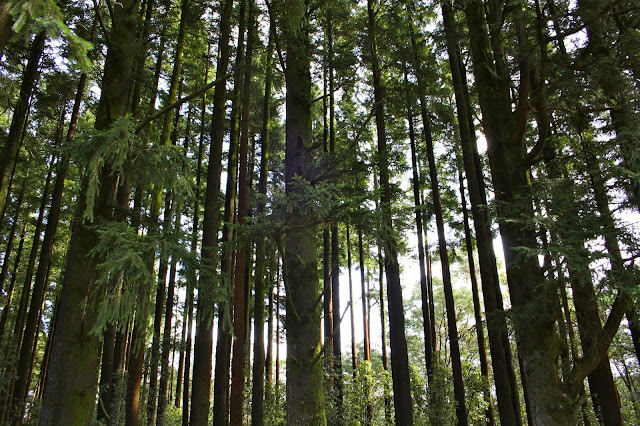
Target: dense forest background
{"x": 319, "y": 212}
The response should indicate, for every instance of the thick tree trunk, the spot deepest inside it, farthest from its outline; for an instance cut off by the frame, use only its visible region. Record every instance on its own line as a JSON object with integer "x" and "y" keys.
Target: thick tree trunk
{"x": 305, "y": 397}
{"x": 70, "y": 394}
{"x": 547, "y": 403}
{"x": 504, "y": 376}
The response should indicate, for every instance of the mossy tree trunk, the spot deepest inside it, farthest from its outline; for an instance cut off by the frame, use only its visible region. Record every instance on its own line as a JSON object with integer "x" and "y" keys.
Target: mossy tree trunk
{"x": 73, "y": 374}
{"x": 305, "y": 397}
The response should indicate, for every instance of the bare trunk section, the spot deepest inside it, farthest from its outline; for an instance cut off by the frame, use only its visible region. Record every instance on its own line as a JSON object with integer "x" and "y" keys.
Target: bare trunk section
{"x": 258, "y": 391}
{"x": 305, "y": 397}
{"x": 16, "y": 128}
{"x": 477, "y": 309}
{"x": 399, "y": 356}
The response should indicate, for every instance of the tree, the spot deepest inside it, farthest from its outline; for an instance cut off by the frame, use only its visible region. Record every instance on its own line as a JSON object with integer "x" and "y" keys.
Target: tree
{"x": 69, "y": 396}
{"x": 399, "y": 357}
{"x": 305, "y": 399}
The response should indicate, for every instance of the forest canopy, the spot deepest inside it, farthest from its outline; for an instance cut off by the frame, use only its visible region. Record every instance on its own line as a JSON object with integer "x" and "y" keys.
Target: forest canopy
{"x": 201, "y": 200}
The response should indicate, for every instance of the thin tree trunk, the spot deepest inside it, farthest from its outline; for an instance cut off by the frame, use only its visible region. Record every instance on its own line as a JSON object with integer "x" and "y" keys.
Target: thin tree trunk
{"x": 458, "y": 385}
{"x": 258, "y": 391}
{"x": 14, "y": 138}
{"x": 227, "y": 270}
{"x": 383, "y": 327}
{"x": 35, "y": 245}
{"x": 354, "y": 353}
{"x": 426, "y": 317}
{"x": 12, "y": 283}
{"x": 365, "y": 326}
{"x": 12, "y": 233}
{"x": 161, "y": 292}
{"x": 191, "y": 277}
{"x": 203, "y": 350}
{"x": 477, "y": 309}
{"x": 42, "y": 381}
{"x": 400, "y": 360}
{"x": 338, "y": 382}
{"x": 243, "y": 258}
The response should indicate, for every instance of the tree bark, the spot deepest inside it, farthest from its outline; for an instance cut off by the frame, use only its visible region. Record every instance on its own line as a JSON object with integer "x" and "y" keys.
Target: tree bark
{"x": 305, "y": 397}
{"x": 477, "y": 309}
{"x": 399, "y": 356}
{"x": 201, "y": 385}
{"x": 243, "y": 258}
{"x": 258, "y": 391}
{"x": 70, "y": 393}
{"x": 14, "y": 138}
{"x": 426, "y": 317}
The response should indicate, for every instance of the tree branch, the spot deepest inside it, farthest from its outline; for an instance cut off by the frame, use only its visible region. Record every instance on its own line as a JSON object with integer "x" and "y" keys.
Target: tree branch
{"x": 179, "y": 102}
{"x": 594, "y": 356}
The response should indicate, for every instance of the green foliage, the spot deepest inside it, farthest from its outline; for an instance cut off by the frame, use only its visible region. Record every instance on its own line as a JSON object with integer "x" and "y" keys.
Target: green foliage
{"x": 34, "y": 16}
{"x": 124, "y": 271}
{"x": 113, "y": 149}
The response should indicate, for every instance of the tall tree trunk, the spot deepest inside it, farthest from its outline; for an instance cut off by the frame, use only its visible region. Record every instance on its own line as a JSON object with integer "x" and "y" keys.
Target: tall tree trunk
{"x": 426, "y": 317}
{"x": 365, "y": 299}
{"x": 399, "y": 356}
{"x": 338, "y": 381}
{"x": 305, "y": 397}
{"x": 161, "y": 293}
{"x": 258, "y": 391}
{"x": 243, "y": 256}
{"x": 477, "y": 309}
{"x": 365, "y": 326}
{"x": 456, "y": 364}
{"x": 227, "y": 270}
{"x": 496, "y": 326}
{"x": 203, "y": 350}
{"x": 70, "y": 394}
{"x": 12, "y": 283}
{"x": 191, "y": 273}
{"x": 14, "y": 138}
{"x": 166, "y": 338}
{"x": 38, "y": 293}
{"x": 354, "y": 353}
{"x": 383, "y": 326}
{"x": 12, "y": 232}
{"x": 39, "y": 286}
